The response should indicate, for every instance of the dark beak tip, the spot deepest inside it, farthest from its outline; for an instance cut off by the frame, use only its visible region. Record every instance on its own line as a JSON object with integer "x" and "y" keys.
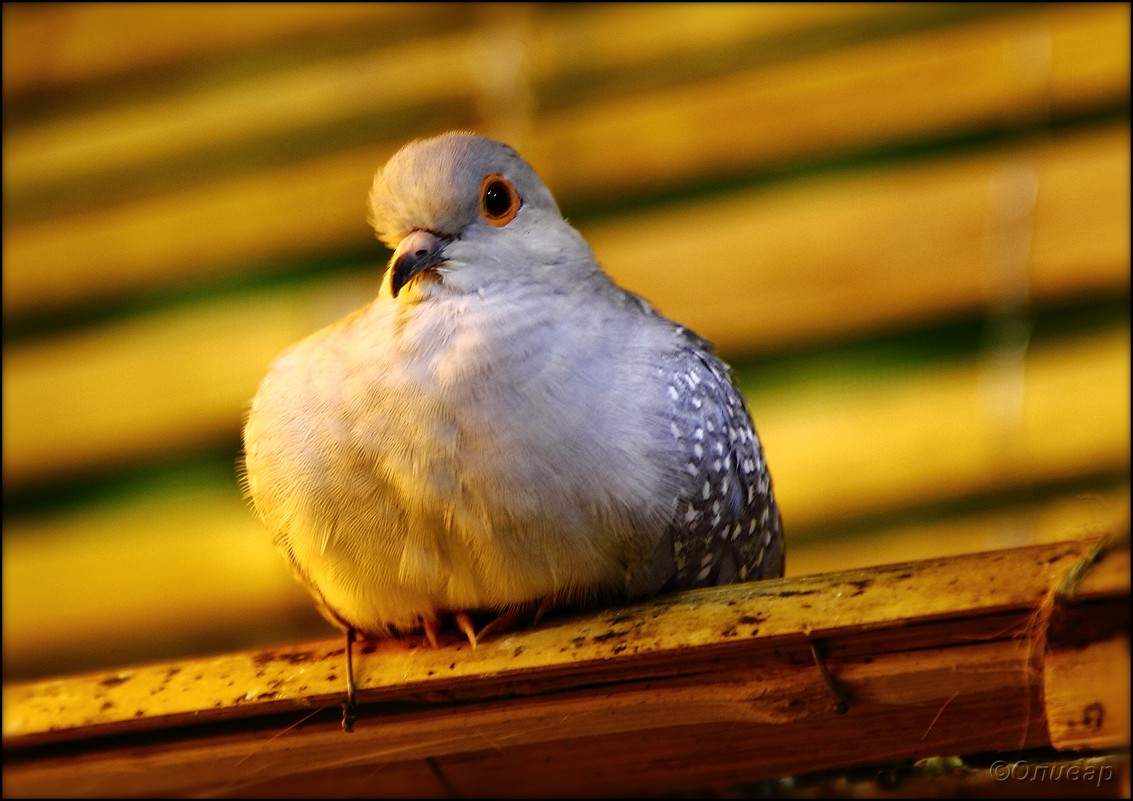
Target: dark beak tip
{"x": 407, "y": 265}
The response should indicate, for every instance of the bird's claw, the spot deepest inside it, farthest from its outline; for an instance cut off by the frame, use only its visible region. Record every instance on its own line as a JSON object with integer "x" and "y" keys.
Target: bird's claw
{"x": 464, "y": 623}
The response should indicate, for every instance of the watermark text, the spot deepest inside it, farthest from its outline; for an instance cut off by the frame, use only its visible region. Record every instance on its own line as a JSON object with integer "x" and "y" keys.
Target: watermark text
{"x": 1023, "y": 771}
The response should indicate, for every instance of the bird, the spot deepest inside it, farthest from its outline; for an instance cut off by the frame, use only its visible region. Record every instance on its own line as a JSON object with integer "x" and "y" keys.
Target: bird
{"x": 502, "y": 428}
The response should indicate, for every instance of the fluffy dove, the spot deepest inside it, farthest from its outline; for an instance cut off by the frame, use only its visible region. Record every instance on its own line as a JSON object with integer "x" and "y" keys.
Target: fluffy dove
{"x": 502, "y": 428}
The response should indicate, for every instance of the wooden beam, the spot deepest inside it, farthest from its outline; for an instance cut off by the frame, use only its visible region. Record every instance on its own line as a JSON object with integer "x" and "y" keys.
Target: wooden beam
{"x": 62, "y": 46}
{"x": 703, "y": 688}
{"x": 764, "y": 118}
{"x": 154, "y": 385}
{"x": 1088, "y": 707}
{"x": 985, "y": 74}
{"x": 814, "y": 259}
{"x": 224, "y": 583}
{"x": 53, "y": 47}
{"x": 945, "y": 433}
{"x": 864, "y": 251}
{"x": 109, "y": 136}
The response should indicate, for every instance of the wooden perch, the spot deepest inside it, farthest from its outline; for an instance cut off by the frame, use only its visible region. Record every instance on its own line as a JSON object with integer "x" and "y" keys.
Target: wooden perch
{"x": 999, "y": 651}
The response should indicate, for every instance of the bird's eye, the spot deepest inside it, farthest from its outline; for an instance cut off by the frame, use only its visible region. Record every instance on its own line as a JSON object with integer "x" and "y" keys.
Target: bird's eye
{"x": 499, "y": 202}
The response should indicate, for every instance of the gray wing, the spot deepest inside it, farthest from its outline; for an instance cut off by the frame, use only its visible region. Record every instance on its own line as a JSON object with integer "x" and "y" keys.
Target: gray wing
{"x": 726, "y": 525}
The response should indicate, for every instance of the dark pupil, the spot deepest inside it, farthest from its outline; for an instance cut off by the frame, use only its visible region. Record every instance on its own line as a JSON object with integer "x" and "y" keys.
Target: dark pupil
{"x": 497, "y": 199}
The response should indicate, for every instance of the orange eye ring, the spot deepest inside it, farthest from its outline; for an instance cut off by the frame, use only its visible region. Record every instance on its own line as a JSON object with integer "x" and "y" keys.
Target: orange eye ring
{"x": 499, "y": 202}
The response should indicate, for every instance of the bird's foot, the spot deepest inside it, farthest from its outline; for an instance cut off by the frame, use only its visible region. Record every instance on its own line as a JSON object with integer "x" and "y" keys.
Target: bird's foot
{"x": 503, "y": 622}
{"x": 431, "y": 627}
{"x": 350, "y": 707}
{"x": 506, "y": 621}
{"x": 464, "y": 623}
{"x": 463, "y": 620}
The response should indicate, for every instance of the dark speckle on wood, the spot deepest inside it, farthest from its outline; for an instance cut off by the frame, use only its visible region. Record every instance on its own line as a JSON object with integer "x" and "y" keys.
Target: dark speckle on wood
{"x": 290, "y": 657}
{"x": 114, "y": 681}
{"x": 609, "y": 635}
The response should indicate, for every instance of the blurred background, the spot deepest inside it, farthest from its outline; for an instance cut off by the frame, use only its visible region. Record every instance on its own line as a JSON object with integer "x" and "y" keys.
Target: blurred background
{"x": 905, "y": 225}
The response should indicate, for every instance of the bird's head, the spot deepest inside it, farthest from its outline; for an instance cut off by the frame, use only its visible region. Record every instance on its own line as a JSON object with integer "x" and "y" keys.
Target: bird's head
{"x": 468, "y": 213}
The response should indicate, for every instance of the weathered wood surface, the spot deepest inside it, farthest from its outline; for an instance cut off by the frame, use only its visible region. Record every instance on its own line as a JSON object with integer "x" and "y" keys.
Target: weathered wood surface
{"x": 1086, "y": 660}
{"x": 700, "y": 689}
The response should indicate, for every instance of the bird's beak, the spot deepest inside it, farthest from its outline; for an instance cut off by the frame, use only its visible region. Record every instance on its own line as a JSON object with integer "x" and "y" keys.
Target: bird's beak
{"x": 417, "y": 252}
